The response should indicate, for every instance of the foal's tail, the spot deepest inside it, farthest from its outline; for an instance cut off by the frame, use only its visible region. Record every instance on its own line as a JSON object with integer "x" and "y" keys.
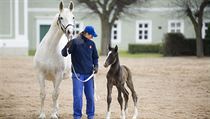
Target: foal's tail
{"x": 129, "y": 78}
{"x": 130, "y": 85}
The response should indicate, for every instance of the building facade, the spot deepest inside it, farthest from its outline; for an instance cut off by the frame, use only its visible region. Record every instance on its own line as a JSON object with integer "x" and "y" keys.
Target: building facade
{"x": 14, "y": 27}
{"x": 24, "y": 23}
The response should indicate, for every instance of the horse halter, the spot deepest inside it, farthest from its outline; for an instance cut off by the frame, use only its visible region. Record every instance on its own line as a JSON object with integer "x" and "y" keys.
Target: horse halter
{"x": 63, "y": 28}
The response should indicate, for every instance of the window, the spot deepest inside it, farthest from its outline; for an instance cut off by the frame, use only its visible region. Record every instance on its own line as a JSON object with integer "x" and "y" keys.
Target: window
{"x": 77, "y": 29}
{"x": 143, "y": 31}
{"x": 43, "y": 29}
{"x": 175, "y": 26}
{"x": 116, "y": 32}
{"x": 205, "y": 28}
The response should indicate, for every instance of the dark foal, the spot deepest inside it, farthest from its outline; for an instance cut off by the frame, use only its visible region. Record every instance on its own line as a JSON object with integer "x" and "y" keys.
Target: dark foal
{"x": 118, "y": 75}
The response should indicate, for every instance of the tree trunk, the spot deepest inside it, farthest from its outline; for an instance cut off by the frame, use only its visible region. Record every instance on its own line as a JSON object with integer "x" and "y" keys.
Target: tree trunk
{"x": 106, "y": 35}
{"x": 199, "y": 42}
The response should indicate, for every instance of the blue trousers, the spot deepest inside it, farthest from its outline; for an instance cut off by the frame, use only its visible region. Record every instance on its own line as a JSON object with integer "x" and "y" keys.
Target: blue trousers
{"x": 78, "y": 87}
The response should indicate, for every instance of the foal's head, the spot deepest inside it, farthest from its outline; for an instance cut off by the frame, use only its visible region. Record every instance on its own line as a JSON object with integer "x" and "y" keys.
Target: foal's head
{"x": 112, "y": 56}
{"x": 66, "y": 19}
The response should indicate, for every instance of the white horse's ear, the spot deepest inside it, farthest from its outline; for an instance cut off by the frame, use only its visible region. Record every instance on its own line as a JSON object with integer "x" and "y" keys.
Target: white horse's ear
{"x": 61, "y": 6}
{"x": 71, "y": 6}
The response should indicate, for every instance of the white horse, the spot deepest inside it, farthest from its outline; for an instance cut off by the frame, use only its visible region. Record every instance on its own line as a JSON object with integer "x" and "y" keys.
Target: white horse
{"x": 49, "y": 62}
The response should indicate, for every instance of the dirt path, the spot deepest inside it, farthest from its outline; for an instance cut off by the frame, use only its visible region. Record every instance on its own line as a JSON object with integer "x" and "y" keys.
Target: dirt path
{"x": 168, "y": 88}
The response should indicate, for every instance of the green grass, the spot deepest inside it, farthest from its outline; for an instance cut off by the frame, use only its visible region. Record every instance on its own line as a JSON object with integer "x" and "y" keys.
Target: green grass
{"x": 31, "y": 52}
{"x": 139, "y": 55}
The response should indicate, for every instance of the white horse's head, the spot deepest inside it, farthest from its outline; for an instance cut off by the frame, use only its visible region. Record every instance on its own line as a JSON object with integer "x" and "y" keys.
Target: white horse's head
{"x": 66, "y": 19}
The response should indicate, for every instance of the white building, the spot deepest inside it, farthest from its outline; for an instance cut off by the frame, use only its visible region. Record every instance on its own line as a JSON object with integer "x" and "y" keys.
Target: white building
{"x": 24, "y": 23}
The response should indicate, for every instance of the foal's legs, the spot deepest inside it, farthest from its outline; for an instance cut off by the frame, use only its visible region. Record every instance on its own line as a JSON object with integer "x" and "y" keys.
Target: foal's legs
{"x": 134, "y": 96}
{"x": 120, "y": 100}
{"x": 109, "y": 98}
{"x": 42, "y": 94}
{"x": 125, "y": 95}
{"x": 56, "y": 83}
{"x": 122, "y": 89}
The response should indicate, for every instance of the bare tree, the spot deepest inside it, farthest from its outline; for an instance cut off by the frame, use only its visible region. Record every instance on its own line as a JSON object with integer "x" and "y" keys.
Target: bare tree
{"x": 108, "y": 11}
{"x": 194, "y": 9}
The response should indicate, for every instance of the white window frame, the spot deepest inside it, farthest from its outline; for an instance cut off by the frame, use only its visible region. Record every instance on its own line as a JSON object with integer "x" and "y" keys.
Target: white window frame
{"x": 204, "y": 28}
{"x": 118, "y": 29}
{"x": 11, "y": 25}
{"x": 148, "y": 29}
{"x": 40, "y": 22}
{"x": 181, "y": 28}
{"x": 80, "y": 29}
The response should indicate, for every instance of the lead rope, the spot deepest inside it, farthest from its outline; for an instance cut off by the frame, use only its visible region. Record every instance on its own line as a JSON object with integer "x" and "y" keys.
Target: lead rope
{"x": 79, "y": 78}
{"x": 92, "y": 75}
{"x": 76, "y": 73}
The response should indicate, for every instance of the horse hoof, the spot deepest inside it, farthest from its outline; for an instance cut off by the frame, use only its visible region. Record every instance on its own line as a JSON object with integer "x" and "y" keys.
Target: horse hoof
{"x": 123, "y": 114}
{"x": 57, "y": 115}
{"x": 135, "y": 113}
{"x": 42, "y": 116}
{"x": 108, "y": 115}
{"x": 122, "y": 117}
{"x": 134, "y": 117}
{"x": 53, "y": 116}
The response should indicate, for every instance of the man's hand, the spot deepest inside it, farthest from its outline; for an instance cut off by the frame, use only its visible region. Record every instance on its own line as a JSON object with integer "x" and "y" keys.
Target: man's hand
{"x": 68, "y": 45}
{"x": 95, "y": 69}
{"x": 64, "y": 50}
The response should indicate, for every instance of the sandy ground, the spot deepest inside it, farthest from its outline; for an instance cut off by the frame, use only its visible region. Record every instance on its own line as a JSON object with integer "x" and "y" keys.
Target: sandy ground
{"x": 168, "y": 88}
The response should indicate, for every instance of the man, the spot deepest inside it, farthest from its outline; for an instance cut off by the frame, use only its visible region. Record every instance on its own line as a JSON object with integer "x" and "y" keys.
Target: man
{"x": 84, "y": 59}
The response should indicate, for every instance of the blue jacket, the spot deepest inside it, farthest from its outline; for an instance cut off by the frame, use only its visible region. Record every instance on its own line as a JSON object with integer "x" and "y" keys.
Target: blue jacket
{"x": 84, "y": 55}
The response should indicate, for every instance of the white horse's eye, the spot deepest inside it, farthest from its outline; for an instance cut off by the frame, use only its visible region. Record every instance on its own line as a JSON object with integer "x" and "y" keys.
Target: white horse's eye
{"x": 61, "y": 18}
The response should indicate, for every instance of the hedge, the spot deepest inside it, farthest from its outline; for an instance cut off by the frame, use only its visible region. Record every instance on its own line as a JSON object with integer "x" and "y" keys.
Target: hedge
{"x": 143, "y": 48}
{"x": 174, "y": 44}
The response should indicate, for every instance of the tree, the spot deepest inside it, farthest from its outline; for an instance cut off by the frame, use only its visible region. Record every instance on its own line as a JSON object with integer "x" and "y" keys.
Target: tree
{"x": 108, "y": 11}
{"x": 194, "y": 9}
{"x": 207, "y": 37}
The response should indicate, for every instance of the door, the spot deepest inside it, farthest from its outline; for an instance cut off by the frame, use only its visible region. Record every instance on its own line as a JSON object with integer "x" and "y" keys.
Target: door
{"x": 43, "y": 30}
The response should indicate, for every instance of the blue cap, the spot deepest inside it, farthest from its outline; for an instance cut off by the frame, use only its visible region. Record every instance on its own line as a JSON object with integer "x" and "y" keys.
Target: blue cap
{"x": 90, "y": 30}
